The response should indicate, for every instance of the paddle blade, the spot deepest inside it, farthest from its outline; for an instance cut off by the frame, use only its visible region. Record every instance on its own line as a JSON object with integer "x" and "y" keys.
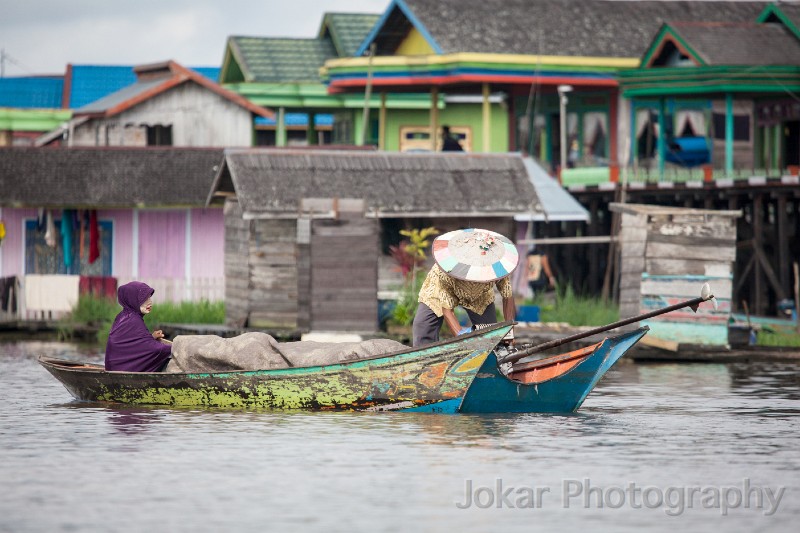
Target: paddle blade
{"x": 705, "y": 292}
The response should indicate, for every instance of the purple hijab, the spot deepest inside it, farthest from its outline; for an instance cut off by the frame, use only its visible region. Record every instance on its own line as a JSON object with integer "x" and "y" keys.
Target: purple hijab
{"x": 131, "y": 347}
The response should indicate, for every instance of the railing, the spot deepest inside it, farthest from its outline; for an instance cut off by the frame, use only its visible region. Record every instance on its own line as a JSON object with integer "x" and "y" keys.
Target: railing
{"x": 45, "y": 297}
{"x": 589, "y": 176}
{"x": 178, "y": 290}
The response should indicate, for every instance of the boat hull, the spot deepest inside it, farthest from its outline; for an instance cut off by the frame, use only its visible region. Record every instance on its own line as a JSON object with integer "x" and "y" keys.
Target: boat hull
{"x": 433, "y": 378}
{"x": 492, "y": 392}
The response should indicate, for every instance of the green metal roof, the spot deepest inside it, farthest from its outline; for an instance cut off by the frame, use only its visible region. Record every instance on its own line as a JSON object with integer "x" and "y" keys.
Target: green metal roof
{"x": 347, "y": 30}
{"x": 276, "y": 60}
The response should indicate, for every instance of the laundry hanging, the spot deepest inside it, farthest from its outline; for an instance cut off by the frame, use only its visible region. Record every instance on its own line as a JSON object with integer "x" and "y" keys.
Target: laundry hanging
{"x": 94, "y": 237}
{"x": 50, "y": 236}
{"x": 66, "y": 237}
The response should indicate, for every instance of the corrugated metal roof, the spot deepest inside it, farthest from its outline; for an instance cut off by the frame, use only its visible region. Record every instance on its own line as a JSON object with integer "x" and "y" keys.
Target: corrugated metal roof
{"x": 272, "y": 183}
{"x": 90, "y": 83}
{"x": 106, "y": 177}
{"x": 120, "y": 96}
{"x": 31, "y": 92}
{"x": 557, "y": 204}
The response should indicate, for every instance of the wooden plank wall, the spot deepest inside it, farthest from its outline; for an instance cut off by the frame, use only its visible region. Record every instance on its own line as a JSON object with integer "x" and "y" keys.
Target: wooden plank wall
{"x": 237, "y": 269}
{"x": 682, "y": 252}
{"x": 273, "y": 255}
{"x": 633, "y": 237}
{"x": 344, "y": 273}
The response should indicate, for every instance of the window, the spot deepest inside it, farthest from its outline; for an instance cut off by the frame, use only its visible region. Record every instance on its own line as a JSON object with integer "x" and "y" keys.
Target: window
{"x": 159, "y": 135}
{"x": 417, "y": 138}
{"x": 741, "y": 127}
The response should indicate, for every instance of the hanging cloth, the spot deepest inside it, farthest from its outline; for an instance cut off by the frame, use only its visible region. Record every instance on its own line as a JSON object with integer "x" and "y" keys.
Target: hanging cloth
{"x": 50, "y": 236}
{"x": 41, "y": 220}
{"x": 94, "y": 237}
{"x": 66, "y": 237}
{"x": 2, "y": 232}
{"x": 81, "y": 235}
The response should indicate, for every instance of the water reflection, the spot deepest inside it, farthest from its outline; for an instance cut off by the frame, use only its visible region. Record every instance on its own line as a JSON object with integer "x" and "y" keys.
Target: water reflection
{"x": 654, "y": 424}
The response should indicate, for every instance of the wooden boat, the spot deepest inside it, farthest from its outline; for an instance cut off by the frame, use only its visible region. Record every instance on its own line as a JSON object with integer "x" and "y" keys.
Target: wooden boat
{"x": 557, "y": 384}
{"x": 432, "y": 378}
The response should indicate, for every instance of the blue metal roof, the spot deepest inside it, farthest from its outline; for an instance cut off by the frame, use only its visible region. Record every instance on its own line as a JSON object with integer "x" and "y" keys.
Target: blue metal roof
{"x": 31, "y": 92}
{"x": 298, "y": 119}
{"x": 93, "y": 82}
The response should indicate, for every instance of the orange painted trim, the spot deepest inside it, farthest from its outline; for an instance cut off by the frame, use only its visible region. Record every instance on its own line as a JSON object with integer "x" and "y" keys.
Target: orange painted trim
{"x": 671, "y": 39}
{"x": 539, "y": 371}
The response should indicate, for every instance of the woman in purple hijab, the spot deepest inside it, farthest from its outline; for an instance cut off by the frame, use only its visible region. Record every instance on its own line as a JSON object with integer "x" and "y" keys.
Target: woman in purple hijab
{"x": 131, "y": 347}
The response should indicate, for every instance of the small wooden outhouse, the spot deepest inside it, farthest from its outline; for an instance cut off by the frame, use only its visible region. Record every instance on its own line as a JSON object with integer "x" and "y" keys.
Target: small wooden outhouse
{"x": 305, "y": 230}
{"x": 668, "y": 253}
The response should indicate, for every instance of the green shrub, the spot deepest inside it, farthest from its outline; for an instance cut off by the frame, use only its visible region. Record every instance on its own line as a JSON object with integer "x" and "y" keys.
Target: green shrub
{"x": 574, "y": 309}
{"x": 770, "y": 338}
{"x": 92, "y": 311}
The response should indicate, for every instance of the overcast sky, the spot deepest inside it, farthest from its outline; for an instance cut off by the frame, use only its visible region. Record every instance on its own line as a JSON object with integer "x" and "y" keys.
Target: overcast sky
{"x": 42, "y": 36}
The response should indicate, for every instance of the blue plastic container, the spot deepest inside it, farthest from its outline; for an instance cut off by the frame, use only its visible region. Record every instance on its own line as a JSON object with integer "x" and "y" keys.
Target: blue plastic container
{"x": 528, "y": 313}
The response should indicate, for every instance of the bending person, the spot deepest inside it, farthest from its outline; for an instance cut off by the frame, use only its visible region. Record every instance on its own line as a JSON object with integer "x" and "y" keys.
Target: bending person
{"x": 131, "y": 347}
{"x": 470, "y": 263}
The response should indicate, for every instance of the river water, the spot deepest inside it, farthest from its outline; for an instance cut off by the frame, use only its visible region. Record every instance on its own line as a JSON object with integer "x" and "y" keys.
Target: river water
{"x": 655, "y": 447}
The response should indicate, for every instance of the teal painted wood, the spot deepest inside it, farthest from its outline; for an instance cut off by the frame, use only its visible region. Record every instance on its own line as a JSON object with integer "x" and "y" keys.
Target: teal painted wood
{"x": 432, "y": 375}
{"x": 492, "y": 392}
{"x": 689, "y": 333}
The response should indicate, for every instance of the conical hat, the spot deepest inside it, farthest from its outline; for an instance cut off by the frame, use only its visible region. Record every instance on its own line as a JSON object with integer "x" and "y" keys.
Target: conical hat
{"x": 475, "y": 254}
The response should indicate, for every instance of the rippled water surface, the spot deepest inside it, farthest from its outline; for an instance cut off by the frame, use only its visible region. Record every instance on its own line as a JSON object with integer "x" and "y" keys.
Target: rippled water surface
{"x": 674, "y": 432}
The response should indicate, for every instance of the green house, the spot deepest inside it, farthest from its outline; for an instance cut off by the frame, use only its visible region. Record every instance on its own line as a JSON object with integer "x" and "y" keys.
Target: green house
{"x": 731, "y": 83}
{"x": 284, "y": 74}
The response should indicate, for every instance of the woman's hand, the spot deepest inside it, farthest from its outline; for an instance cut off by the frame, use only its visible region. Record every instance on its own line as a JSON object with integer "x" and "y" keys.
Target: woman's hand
{"x": 158, "y": 334}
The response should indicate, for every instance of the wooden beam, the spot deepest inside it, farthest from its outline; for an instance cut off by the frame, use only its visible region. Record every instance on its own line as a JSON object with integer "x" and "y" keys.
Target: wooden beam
{"x": 598, "y": 239}
{"x": 782, "y": 243}
{"x": 382, "y": 123}
{"x": 434, "y": 116}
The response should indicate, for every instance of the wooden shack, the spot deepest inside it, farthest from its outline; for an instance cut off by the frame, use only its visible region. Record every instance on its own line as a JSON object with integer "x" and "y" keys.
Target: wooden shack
{"x": 667, "y": 254}
{"x": 303, "y": 229}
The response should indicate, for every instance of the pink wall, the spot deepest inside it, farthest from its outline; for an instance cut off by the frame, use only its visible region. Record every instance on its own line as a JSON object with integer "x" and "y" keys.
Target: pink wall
{"x": 122, "y": 254}
{"x": 13, "y": 261}
{"x": 162, "y": 243}
{"x": 208, "y": 243}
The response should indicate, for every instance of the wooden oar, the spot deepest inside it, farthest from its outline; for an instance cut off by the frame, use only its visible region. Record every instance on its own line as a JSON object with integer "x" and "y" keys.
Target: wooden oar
{"x": 705, "y": 295}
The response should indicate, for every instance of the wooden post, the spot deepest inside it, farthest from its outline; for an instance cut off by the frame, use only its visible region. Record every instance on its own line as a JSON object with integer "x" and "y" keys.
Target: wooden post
{"x": 782, "y": 243}
{"x": 280, "y": 132}
{"x": 487, "y": 117}
{"x": 311, "y": 132}
{"x": 434, "y": 116}
{"x": 797, "y": 296}
{"x": 382, "y": 124}
{"x": 759, "y": 303}
{"x": 367, "y": 97}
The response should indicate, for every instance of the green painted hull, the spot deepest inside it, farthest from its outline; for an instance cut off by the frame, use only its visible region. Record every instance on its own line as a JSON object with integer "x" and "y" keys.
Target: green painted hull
{"x": 419, "y": 379}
